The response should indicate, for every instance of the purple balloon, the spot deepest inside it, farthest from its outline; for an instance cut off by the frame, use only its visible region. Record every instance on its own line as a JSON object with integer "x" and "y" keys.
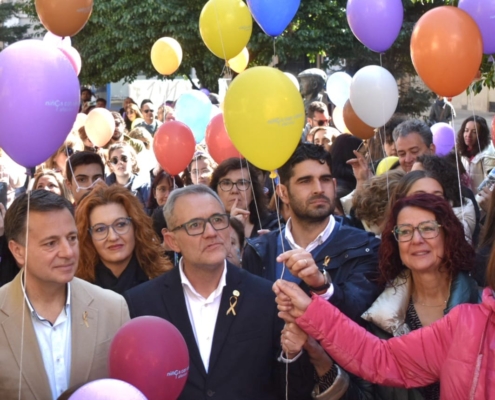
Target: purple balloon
{"x": 443, "y": 138}
{"x": 107, "y": 389}
{"x": 39, "y": 93}
{"x": 483, "y": 12}
{"x": 375, "y": 23}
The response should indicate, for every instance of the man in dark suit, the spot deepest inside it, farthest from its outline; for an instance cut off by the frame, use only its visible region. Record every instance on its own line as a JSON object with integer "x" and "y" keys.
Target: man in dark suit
{"x": 227, "y": 316}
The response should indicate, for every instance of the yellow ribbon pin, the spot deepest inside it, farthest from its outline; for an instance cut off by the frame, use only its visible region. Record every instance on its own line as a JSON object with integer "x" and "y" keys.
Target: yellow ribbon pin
{"x": 327, "y": 261}
{"x": 233, "y": 302}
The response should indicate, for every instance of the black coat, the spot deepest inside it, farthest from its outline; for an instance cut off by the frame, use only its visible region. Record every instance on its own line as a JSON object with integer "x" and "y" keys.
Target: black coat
{"x": 243, "y": 360}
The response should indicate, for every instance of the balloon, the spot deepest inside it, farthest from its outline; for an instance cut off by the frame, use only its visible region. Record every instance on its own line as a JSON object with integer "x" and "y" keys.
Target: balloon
{"x": 443, "y": 138}
{"x": 64, "y": 18}
{"x": 338, "y": 120}
{"x": 205, "y": 91}
{"x": 220, "y": 147}
{"x": 225, "y": 27}
{"x": 375, "y": 23}
{"x": 40, "y": 100}
{"x": 73, "y": 56}
{"x": 446, "y": 50}
{"x": 150, "y": 354}
{"x": 107, "y": 389}
{"x": 174, "y": 146}
{"x": 57, "y": 41}
{"x": 99, "y": 126}
{"x": 240, "y": 62}
{"x": 339, "y": 88}
{"x": 357, "y": 127}
{"x": 374, "y": 95}
{"x": 272, "y": 16}
{"x": 166, "y": 55}
{"x": 79, "y": 122}
{"x": 385, "y": 164}
{"x": 293, "y": 79}
{"x": 482, "y": 11}
{"x": 264, "y": 116}
{"x": 194, "y": 109}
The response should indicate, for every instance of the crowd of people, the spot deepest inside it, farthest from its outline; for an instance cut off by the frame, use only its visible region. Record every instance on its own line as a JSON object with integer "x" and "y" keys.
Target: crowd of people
{"x": 365, "y": 270}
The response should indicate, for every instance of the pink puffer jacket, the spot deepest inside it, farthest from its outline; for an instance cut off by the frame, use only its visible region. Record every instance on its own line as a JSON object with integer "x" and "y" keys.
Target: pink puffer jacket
{"x": 458, "y": 350}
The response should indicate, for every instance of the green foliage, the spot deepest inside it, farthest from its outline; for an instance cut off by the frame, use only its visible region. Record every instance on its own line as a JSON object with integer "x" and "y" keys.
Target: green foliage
{"x": 14, "y": 33}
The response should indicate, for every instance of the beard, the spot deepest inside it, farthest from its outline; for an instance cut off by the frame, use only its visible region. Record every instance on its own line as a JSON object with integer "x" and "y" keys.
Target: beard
{"x": 305, "y": 211}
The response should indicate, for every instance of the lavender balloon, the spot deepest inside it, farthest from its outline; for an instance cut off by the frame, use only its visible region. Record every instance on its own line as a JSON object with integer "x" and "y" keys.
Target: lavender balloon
{"x": 375, "y": 23}
{"x": 483, "y": 12}
{"x": 39, "y": 93}
{"x": 443, "y": 138}
{"x": 107, "y": 389}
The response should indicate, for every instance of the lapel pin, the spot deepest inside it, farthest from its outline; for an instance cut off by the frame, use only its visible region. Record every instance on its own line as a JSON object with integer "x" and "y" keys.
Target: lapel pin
{"x": 233, "y": 302}
{"x": 85, "y": 319}
{"x": 327, "y": 261}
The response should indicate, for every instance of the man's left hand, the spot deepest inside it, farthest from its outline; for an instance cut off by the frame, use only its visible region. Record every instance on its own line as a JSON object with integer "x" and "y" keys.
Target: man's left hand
{"x": 301, "y": 264}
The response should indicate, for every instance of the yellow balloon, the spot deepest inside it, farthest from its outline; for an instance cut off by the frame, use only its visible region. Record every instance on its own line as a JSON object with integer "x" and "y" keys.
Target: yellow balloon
{"x": 225, "y": 27}
{"x": 264, "y": 116}
{"x": 166, "y": 55}
{"x": 338, "y": 120}
{"x": 240, "y": 62}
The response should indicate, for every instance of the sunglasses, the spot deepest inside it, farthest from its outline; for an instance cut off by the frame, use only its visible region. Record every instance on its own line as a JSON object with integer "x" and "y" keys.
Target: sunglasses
{"x": 321, "y": 122}
{"x": 148, "y": 111}
{"x": 115, "y": 160}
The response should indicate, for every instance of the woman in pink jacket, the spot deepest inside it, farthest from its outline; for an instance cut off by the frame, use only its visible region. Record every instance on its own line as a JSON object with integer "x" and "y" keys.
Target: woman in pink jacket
{"x": 457, "y": 350}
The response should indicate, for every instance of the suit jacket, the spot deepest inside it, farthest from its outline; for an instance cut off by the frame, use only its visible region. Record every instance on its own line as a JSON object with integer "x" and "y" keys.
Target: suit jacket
{"x": 90, "y": 340}
{"x": 245, "y": 346}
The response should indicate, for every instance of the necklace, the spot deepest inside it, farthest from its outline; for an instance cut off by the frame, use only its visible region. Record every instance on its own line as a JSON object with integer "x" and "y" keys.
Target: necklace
{"x": 428, "y": 305}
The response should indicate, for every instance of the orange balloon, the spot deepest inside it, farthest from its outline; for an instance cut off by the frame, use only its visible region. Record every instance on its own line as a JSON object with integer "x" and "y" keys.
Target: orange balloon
{"x": 357, "y": 127}
{"x": 62, "y": 17}
{"x": 446, "y": 50}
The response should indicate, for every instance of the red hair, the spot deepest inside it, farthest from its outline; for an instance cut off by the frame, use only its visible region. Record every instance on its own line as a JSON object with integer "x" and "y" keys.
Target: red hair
{"x": 458, "y": 253}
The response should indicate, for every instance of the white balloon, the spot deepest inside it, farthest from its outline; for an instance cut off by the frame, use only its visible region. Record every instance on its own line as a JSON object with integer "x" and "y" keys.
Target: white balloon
{"x": 338, "y": 120}
{"x": 57, "y": 40}
{"x": 374, "y": 95}
{"x": 293, "y": 79}
{"x": 339, "y": 88}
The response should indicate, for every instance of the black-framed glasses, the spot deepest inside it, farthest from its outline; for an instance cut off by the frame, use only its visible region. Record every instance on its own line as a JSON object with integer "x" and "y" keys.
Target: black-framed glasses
{"x": 427, "y": 230}
{"x": 115, "y": 160}
{"x": 148, "y": 111}
{"x": 120, "y": 226}
{"x": 197, "y": 226}
{"x": 322, "y": 122}
{"x": 241, "y": 184}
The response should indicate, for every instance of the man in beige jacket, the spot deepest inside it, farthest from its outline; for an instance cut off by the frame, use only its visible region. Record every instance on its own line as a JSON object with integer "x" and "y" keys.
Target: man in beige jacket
{"x": 55, "y": 330}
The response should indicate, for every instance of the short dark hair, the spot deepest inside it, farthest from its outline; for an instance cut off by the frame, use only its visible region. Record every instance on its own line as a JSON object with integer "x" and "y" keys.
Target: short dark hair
{"x": 101, "y": 99}
{"x": 238, "y": 227}
{"x": 86, "y": 90}
{"x": 414, "y": 126}
{"x": 483, "y": 136}
{"x": 304, "y": 151}
{"x": 316, "y": 106}
{"x": 145, "y": 101}
{"x": 82, "y": 158}
{"x": 39, "y": 201}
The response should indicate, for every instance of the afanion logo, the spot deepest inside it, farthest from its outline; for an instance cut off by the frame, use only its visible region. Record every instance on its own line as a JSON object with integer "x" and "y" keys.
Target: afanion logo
{"x": 62, "y": 106}
{"x": 179, "y": 373}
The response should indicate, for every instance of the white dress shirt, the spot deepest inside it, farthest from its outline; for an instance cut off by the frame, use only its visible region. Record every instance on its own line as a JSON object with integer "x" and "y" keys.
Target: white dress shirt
{"x": 55, "y": 344}
{"x": 318, "y": 241}
{"x": 202, "y": 312}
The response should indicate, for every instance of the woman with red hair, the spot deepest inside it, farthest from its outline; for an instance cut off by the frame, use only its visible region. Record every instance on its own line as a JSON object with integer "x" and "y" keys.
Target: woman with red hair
{"x": 424, "y": 260}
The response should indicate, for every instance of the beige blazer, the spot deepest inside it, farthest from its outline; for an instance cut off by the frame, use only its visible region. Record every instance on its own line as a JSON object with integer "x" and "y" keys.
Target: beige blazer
{"x": 96, "y": 314}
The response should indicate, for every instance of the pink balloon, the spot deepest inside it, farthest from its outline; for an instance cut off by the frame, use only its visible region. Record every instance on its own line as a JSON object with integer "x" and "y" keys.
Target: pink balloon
{"x": 217, "y": 139}
{"x": 150, "y": 354}
{"x": 107, "y": 389}
{"x": 74, "y": 57}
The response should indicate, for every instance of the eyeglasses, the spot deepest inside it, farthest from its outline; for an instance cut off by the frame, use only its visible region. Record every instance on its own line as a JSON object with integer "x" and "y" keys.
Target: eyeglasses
{"x": 321, "y": 122}
{"x": 427, "y": 230}
{"x": 148, "y": 111}
{"x": 120, "y": 226}
{"x": 115, "y": 160}
{"x": 197, "y": 226}
{"x": 241, "y": 184}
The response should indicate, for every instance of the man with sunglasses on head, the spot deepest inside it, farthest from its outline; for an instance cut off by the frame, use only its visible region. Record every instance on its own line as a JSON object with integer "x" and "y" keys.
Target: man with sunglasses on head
{"x": 227, "y": 316}
{"x": 150, "y": 122}
{"x": 323, "y": 255}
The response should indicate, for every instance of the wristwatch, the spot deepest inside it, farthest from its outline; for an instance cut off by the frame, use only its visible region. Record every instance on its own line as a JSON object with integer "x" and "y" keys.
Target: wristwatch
{"x": 325, "y": 286}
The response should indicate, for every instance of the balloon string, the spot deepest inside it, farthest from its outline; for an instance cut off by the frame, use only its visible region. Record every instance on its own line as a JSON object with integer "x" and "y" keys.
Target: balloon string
{"x": 252, "y": 190}
{"x": 220, "y": 32}
{"x": 274, "y": 49}
{"x": 381, "y": 139}
{"x": 477, "y": 136}
{"x": 458, "y": 172}
{"x": 24, "y": 287}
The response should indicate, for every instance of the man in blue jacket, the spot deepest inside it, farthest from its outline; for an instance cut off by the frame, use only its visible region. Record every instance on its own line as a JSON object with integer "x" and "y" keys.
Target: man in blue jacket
{"x": 315, "y": 249}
